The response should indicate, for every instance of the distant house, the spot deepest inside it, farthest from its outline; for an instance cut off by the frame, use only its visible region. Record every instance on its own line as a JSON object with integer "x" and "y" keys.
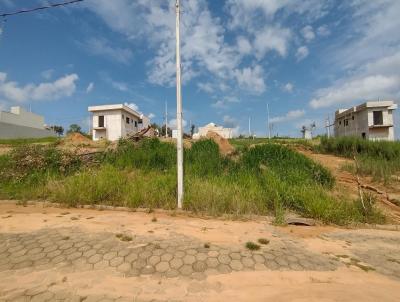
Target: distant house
{"x": 19, "y": 123}
{"x": 370, "y": 120}
{"x": 221, "y": 131}
{"x": 112, "y": 122}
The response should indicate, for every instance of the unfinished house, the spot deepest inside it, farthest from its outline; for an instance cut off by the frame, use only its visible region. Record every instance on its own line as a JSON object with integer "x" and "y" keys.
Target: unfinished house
{"x": 370, "y": 120}
{"x": 19, "y": 123}
{"x": 112, "y": 122}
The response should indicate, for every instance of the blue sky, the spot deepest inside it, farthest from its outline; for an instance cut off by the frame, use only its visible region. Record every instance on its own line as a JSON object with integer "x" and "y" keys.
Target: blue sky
{"x": 305, "y": 58}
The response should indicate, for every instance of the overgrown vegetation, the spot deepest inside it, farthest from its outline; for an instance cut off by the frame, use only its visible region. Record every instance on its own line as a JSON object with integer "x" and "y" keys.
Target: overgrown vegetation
{"x": 265, "y": 179}
{"x": 379, "y": 159}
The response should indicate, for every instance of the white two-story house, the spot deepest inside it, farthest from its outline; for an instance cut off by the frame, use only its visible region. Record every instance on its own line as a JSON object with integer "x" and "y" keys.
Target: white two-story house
{"x": 111, "y": 122}
{"x": 370, "y": 120}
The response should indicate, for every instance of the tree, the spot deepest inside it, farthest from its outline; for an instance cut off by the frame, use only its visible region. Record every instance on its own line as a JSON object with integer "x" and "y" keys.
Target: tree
{"x": 73, "y": 128}
{"x": 59, "y": 130}
{"x": 192, "y": 130}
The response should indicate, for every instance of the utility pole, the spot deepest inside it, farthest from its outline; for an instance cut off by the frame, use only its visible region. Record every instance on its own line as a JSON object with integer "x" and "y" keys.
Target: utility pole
{"x": 269, "y": 125}
{"x": 179, "y": 142}
{"x": 166, "y": 119}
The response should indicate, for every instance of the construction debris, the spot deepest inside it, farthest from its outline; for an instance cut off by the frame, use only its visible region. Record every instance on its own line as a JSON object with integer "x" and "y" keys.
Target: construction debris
{"x": 146, "y": 132}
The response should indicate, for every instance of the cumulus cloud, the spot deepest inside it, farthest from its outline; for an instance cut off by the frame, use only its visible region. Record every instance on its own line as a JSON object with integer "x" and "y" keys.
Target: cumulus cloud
{"x": 13, "y": 92}
{"x": 206, "y": 87}
{"x": 272, "y": 38}
{"x": 90, "y": 87}
{"x": 366, "y": 88}
{"x": 308, "y": 33}
{"x": 225, "y": 102}
{"x": 133, "y": 106}
{"x": 151, "y": 115}
{"x": 288, "y": 87}
{"x": 302, "y": 53}
{"x": 289, "y": 116}
{"x": 323, "y": 31}
{"x": 251, "y": 79}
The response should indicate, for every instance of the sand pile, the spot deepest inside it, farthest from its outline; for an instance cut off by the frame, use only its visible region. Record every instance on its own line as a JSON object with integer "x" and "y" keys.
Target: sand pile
{"x": 224, "y": 146}
{"x": 76, "y": 139}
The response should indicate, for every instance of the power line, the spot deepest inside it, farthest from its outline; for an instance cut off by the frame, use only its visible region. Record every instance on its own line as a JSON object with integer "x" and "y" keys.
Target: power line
{"x": 29, "y": 10}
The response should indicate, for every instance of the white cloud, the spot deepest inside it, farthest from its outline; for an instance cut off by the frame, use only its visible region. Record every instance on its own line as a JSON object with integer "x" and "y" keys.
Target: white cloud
{"x": 102, "y": 47}
{"x": 90, "y": 87}
{"x": 291, "y": 115}
{"x": 151, "y": 115}
{"x": 206, "y": 87}
{"x": 133, "y": 106}
{"x": 12, "y": 91}
{"x": 229, "y": 121}
{"x": 243, "y": 45}
{"x": 308, "y": 33}
{"x": 47, "y": 74}
{"x": 251, "y": 79}
{"x": 302, "y": 53}
{"x": 225, "y": 102}
{"x": 271, "y": 38}
{"x": 323, "y": 31}
{"x": 288, "y": 87}
{"x": 366, "y": 88}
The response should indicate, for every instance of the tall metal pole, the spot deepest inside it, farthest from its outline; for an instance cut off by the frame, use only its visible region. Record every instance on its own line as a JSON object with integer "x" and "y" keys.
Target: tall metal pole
{"x": 249, "y": 126}
{"x": 179, "y": 142}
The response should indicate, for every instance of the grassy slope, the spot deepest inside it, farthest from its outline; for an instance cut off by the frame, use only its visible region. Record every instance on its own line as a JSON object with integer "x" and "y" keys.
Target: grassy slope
{"x": 380, "y": 159}
{"x": 265, "y": 179}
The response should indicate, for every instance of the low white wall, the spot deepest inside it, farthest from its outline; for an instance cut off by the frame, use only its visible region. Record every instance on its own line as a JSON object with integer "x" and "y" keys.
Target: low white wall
{"x": 9, "y": 131}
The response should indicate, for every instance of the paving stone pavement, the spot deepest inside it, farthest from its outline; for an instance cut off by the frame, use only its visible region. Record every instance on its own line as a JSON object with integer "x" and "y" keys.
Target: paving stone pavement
{"x": 176, "y": 256}
{"x": 75, "y": 250}
{"x": 381, "y": 253}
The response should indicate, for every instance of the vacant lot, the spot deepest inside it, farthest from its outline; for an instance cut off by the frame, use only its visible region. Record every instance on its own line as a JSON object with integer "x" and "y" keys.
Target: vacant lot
{"x": 90, "y": 255}
{"x": 264, "y": 179}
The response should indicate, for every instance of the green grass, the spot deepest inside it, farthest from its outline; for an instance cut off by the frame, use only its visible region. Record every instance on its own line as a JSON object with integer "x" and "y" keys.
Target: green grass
{"x": 379, "y": 159}
{"x": 252, "y": 246}
{"x": 263, "y": 180}
{"x": 27, "y": 141}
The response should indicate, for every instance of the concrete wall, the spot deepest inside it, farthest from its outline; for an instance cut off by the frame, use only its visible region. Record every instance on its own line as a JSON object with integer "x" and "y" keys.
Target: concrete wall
{"x": 115, "y": 124}
{"x": 362, "y": 121}
{"x": 19, "y": 116}
{"x": 10, "y": 131}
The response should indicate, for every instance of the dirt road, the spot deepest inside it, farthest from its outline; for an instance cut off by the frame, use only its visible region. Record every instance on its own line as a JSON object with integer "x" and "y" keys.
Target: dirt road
{"x": 52, "y": 254}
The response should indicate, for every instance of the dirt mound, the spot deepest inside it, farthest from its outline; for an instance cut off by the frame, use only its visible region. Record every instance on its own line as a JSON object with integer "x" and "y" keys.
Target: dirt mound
{"x": 224, "y": 146}
{"x": 76, "y": 138}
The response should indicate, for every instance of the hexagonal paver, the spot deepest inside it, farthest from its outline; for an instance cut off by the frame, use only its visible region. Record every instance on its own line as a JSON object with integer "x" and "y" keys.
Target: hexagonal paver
{"x": 116, "y": 261}
{"x": 148, "y": 269}
{"x": 154, "y": 260}
{"x": 162, "y": 267}
{"x": 176, "y": 263}
{"x": 189, "y": 259}
{"x": 131, "y": 257}
{"x": 213, "y": 254}
{"x": 199, "y": 266}
{"x": 236, "y": 265}
{"x": 212, "y": 262}
{"x": 109, "y": 255}
{"x": 224, "y": 259}
{"x": 259, "y": 258}
{"x": 186, "y": 270}
{"x": 167, "y": 257}
{"x": 95, "y": 258}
